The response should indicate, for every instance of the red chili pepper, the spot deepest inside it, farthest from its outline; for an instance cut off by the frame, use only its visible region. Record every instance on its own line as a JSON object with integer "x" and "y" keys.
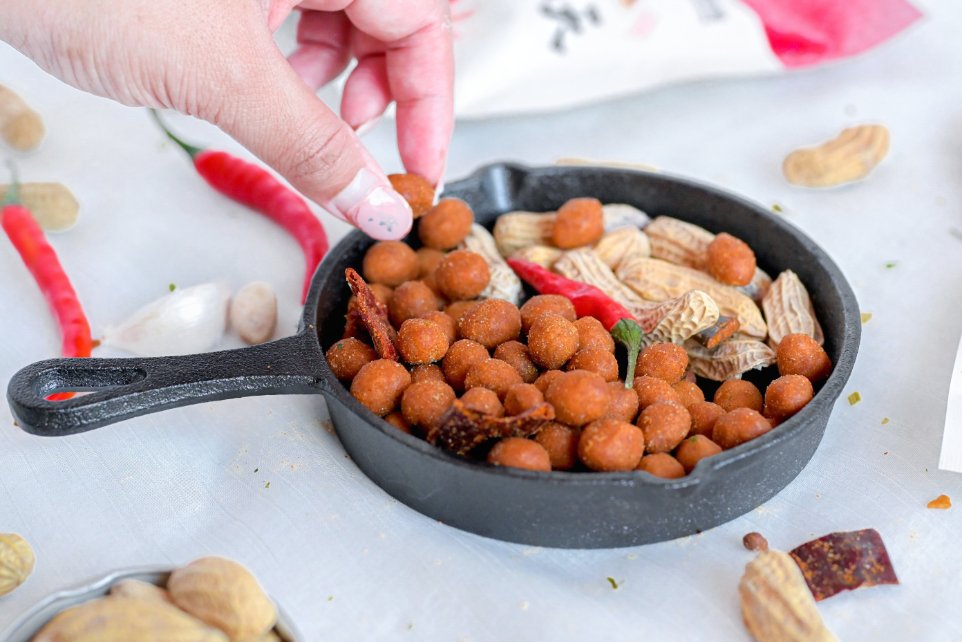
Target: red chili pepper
{"x": 41, "y": 259}
{"x": 257, "y": 188}
{"x": 588, "y": 301}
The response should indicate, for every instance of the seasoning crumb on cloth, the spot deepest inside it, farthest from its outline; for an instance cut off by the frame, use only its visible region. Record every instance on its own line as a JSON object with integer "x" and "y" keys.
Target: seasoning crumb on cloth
{"x": 614, "y": 583}
{"x": 885, "y": 420}
{"x": 866, "y": 317}
{"x": 941, "y": 502}
{"x": 844, "y": 561}
{"x": 854, "y": 398}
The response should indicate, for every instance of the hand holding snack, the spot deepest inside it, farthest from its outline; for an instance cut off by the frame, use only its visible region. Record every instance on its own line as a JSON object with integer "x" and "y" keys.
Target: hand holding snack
{"x": 218, "y": 61}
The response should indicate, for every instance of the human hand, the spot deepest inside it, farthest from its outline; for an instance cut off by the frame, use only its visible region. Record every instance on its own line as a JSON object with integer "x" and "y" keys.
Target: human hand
{"x": 218, "y": 61}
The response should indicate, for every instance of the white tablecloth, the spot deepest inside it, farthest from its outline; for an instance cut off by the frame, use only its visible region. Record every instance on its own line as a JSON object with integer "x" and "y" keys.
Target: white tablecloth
{"x": 266, "y": 482}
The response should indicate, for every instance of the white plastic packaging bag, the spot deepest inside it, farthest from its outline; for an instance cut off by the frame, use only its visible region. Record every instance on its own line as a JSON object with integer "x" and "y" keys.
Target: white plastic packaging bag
{"x": 522, "y": 56}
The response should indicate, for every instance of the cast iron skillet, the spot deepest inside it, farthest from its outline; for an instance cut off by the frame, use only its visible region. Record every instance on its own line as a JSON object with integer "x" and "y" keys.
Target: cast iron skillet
{"x": 569, "y": 510}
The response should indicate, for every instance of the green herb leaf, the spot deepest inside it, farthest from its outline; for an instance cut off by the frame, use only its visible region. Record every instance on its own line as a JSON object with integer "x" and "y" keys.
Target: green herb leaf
{"x": 630, "y": 335}
{"x": 267, "y": 485}
{"x": 171, "y": 287}
{"x": 614, "y": 584}
{"x": 890, "y": 264}
{"x": 777, "y": 208}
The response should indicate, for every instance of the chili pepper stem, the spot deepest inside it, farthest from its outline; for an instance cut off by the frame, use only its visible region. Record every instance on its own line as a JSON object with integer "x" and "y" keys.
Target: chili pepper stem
{"x": 630, "y": 335}
{"x": 13, "y": 193}
{"x": 192, "y": 150}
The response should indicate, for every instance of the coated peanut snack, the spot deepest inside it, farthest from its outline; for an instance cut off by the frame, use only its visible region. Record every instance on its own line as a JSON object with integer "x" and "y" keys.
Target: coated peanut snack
{"x": 540, "y": 381}
{"x": 212, "y": 599}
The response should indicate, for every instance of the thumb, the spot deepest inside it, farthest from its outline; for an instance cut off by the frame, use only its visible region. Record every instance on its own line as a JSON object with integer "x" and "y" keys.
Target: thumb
{"x": 275, "y": 115}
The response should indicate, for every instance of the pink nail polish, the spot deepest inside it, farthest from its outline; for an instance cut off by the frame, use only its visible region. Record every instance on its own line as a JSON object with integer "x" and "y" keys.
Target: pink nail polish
{"x": 373, "y": 207}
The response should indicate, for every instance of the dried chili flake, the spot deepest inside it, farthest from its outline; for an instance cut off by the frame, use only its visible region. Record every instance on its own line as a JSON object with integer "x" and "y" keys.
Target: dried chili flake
{"x": 942, "y": 501}
{"x": 373, "y": 316}
{"x": 712, "y": 337}
{"x": 843, "y": 562}
{"x": 353, "y": 326}
{"x": 461, "y": 429}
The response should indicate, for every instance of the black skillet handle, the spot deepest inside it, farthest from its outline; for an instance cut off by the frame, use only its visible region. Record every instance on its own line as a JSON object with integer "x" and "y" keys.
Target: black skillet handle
{"x": 126, "y": 388}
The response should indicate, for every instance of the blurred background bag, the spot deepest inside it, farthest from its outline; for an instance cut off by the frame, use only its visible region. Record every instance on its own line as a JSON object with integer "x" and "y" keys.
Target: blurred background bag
{"x": 522, "y": 56}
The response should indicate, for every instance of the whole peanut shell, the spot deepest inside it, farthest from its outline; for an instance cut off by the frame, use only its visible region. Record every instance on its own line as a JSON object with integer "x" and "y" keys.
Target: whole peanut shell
{"x": 224, "y": 594}
{"x": 123, "y": 619}
{"x": 851, "y": 156}
{"x": 16, "y": 562}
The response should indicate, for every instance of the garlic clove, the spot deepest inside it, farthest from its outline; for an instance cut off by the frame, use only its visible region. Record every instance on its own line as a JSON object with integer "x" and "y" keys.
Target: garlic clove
{"x": 188, "y": 320}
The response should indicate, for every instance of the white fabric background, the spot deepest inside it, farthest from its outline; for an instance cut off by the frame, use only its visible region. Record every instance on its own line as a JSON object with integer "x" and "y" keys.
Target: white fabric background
{"x": 951, "y": 454}
{"x": 350, "y": 563}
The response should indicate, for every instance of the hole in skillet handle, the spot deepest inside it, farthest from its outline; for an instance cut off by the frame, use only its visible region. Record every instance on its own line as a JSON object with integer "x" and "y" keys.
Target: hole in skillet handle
{"x": 60, "y": 384}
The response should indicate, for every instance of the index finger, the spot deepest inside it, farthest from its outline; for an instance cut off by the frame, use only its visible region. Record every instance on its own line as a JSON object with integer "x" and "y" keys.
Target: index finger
{"x": 420, "y": 71}
{"x": 419, "y": 59}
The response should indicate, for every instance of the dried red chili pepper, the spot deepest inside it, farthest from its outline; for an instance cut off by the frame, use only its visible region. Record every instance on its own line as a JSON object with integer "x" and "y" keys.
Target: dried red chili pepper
{"x": 589, "y": 301}
{"x": 257, "y": 188}
{"x": 373, "y": 316}
{"x": 843, "y": 562}
{"x": 461, "y": 429}
{"x": 41, "y": 259}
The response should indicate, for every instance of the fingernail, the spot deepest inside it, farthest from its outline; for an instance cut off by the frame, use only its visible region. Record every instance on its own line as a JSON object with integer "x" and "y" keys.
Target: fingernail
{"x": 366, "y": 126}
{"x": 373, "y": 207}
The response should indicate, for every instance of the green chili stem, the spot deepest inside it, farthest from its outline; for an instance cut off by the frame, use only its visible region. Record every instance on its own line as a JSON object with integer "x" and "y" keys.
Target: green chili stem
{"x": 629, "y": 333}
{"x": 191, "y": 150}
{"x": 13, "y": 193}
